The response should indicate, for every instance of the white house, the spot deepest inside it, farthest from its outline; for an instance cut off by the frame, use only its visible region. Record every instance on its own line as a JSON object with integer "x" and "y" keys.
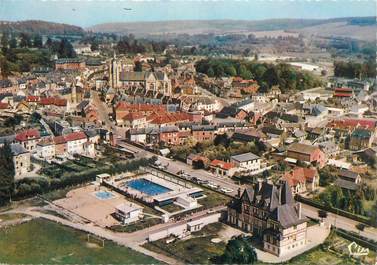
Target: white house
{"x": 75, "y": 142}
{"x": 128, "y": 212}
{"x": 46, "y": 149}
{"x": 246, "y": 161}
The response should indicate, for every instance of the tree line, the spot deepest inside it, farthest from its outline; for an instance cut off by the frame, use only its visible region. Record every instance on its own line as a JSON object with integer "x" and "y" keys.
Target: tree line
{"x": 21, "y": 52}
{"x": 267, "y": 75}
{"x": 355, "y": 70}
{"x": 129, "y": 44}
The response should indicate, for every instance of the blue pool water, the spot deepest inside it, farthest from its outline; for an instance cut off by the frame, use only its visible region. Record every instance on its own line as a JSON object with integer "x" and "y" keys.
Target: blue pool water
{"x": 104, "y": 195}
{"x": 147, "y": 187}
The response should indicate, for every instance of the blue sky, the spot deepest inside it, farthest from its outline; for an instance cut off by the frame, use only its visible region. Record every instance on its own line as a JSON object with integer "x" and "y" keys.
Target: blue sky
{"x": 91, "y": 12}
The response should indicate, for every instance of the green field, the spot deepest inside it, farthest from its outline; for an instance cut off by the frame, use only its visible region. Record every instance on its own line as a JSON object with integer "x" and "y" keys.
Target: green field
{"x": 41, "y": 241}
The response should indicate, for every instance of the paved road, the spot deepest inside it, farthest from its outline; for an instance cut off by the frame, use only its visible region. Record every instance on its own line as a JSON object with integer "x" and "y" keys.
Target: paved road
{"x": 340, "y": 222}
{"x": 103, "y": 111}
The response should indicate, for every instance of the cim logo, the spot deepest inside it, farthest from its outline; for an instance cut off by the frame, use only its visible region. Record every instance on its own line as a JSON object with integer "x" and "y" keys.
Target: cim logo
{"x": 357, "y": 250}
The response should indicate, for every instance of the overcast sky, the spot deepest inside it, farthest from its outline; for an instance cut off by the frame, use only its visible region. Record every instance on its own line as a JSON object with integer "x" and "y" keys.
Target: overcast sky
{"x": 90, "y": 12}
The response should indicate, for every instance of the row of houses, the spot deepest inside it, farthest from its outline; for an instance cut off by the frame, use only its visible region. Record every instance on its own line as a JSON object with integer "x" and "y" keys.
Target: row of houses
{"x": 30, "y": 143}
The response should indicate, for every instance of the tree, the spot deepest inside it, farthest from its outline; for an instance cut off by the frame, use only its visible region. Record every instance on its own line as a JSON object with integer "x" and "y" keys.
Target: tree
{"x": 25, "y": 40}
{"x": 13, "y": 43}
{"x": 374, "y": 214}
{"x": 37, "y": 41}
{"x": 94, "y": 46}
{"x": 230, "y": 70}
{"x": 4, "y": 42}
{"x": 35, "y": 117}
{"x": 65, "y": 49}
{"x": 6, "y": 173}
{"x": 221, "y": 139}
{"x": 322, "y": 214}
{"x": 238, "y": 251}
{"x": 5, "y": 68}
{"x": 211, "y": 72}
{"x": 138, "y": 66}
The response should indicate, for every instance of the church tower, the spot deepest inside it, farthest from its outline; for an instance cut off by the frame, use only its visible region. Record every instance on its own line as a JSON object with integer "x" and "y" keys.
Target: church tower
{"x": 114, "y": 72}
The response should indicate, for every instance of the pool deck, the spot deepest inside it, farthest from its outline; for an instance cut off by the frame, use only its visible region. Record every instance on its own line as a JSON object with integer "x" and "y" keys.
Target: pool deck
{"x": 176, "y": 190}
{"x": 83, "y": 202}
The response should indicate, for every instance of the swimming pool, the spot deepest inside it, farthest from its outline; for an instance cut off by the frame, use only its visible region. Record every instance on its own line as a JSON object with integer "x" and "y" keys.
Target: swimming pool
{"x": 148, "y": 187}
{"x": 104, "y": 195}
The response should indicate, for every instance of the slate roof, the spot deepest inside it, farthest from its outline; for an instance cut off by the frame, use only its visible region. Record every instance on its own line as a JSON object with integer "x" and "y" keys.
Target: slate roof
{"x": 7, "y": 139}
{"x": 348, "y": 174}
{"x": 17, "y": 149}
{"x": 134, "y": 76}
{"x": 245, "y": 157}
{"x": 277, "y": 200}
{"x": 345, "y": 184}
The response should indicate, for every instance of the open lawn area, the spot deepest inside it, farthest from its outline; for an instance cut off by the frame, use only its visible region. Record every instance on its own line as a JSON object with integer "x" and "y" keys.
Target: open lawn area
{"x": 213, "y": 199}
{"x": 42, "y": 242}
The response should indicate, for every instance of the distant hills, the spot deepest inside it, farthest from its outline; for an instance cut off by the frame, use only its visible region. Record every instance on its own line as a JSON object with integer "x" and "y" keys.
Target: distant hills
{"x": 347, "y": 25}
{"x": 40, "y": 27}
{"x": 362, "y": 28}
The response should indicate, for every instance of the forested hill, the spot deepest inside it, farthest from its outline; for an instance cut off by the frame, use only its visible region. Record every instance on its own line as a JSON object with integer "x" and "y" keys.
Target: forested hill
{"x": 40, "y": 27}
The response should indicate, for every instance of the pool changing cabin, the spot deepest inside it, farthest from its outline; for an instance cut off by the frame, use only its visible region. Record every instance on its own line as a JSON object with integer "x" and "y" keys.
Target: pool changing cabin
{"x": 128, "y": 212}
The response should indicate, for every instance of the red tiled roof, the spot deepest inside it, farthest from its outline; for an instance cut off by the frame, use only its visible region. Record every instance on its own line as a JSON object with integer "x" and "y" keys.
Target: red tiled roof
{"x": 59, "y": 140}
{"x": 3, "y": 105}
{"x": 60, "y": 102}
{"x": 75, "y": 136}
{"x": 336, "y": 94}
{"x": 222, "y": 164}
{"x": 166, "y": 117}
{"x": 300, "y": 175}
{"x": 31, "y": 98}
{"x": 124, "y": 106}
{"x": 133, "y": 116}
{"x": 28, "y": 134}
{"x": 353, "y": 123}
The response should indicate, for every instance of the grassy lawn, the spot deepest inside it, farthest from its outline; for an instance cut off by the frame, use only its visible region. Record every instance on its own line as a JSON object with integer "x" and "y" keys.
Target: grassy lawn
{"x": 147, "y": 222}
{"x": 196, "y": 250}
{"x": 171, "y": 208}
{"x": 42, "y": 242}
{"x": 213, "y": 199}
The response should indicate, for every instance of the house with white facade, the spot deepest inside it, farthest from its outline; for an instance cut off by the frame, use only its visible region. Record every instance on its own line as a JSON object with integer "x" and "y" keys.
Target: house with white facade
{"x": 247, "y": 162}
{"x": 75, "y": 142}
{"x": 46, "y": 149}
{"x": 128, "y": 212}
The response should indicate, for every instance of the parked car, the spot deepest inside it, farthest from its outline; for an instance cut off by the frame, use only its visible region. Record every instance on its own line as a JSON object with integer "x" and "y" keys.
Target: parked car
{"x": 226, "y": 190}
